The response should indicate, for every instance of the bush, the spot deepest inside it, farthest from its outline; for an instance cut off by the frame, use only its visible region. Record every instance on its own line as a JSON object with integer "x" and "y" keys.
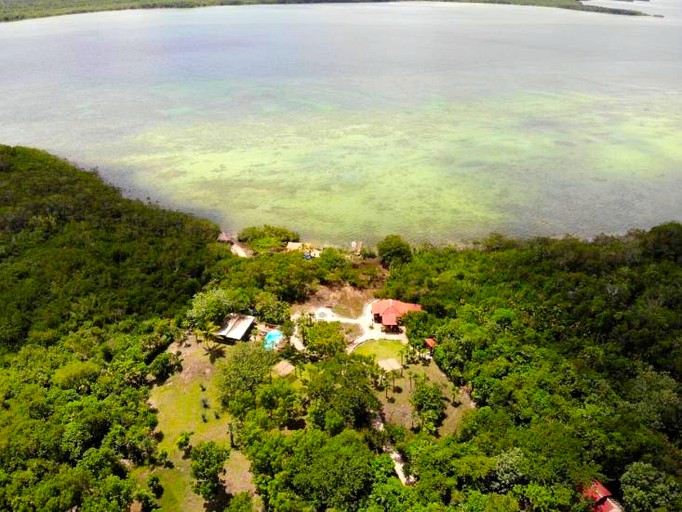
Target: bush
{"x": 183, "y": 440}
{"x": 393, "y": 250}
{"x": 164, "y": 366}
{"x": 208, "y": 459}
{"x": 267, "y": 238}
{"x": 154, "y": 485}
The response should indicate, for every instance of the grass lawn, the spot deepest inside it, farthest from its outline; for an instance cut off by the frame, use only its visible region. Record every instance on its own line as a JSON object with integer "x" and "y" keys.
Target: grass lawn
{"x": 396, "y": 399}
{"x": 381, "y": 349}
{"x": 180, "y": 409}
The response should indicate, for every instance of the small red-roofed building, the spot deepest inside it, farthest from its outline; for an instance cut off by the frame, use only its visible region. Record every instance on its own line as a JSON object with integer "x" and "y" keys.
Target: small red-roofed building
{"x": 387, "y": 312}
{"x": 430, "y": 343}
{"x": 602, "y": 497}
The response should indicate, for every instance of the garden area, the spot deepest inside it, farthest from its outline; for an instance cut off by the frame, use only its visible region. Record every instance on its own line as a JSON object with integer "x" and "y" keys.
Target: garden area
{"x": 189, "y": 402}
{"x": 396, "y": 397}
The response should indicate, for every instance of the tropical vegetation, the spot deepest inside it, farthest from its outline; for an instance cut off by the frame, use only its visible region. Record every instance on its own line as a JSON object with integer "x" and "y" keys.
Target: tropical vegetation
{"x": 570, "y": 350}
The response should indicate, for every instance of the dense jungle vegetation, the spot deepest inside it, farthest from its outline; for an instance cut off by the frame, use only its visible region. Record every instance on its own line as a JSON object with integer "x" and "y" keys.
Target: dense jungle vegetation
{"x": 12, "y": 10}
{"x": 571, "y": 350}
{"x": 94, "y": 288}
{"x": 85, "y": 276}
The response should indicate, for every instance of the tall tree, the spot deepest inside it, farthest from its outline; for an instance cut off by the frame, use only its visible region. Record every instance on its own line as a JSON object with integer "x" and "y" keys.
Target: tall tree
{"x": 393, "y": 250}
{"x": 208, "y": 460}
{"x": 247, "y": 367}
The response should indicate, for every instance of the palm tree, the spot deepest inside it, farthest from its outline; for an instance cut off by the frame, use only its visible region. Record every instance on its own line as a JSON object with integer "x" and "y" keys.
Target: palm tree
{"x": 207, "y": 332}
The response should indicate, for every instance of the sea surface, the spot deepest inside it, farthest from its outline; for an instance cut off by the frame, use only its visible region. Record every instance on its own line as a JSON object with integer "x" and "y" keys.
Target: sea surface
{"x": 442, "y": 122}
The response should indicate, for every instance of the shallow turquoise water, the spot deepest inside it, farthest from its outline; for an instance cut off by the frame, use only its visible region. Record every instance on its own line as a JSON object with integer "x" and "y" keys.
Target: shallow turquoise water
{"x": 442, "y": 122}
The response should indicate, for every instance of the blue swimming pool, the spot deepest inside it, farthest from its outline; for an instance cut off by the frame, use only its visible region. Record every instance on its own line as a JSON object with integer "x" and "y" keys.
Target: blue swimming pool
{"x": 272, "y": 339}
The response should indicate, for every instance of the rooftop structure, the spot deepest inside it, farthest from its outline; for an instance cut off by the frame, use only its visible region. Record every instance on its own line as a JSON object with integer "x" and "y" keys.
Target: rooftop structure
{"x": 283, "y": 368}
{"x": 293, "y": 246}
{"x": 236, "y": 327}
{"x": 603, "y": 502}
{"x": 305, "y": 248}
{"x": 388, "y": 311}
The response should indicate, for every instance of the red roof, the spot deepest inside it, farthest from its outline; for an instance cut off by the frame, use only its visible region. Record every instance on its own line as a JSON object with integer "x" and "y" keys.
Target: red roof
{"x": 608, "y": 505}
{"x": 390, "y": 310}
{"x": 430, "y": 342}
{"x": 389, "y": 319}
{"x": 596, "y": 491}
{"x": 602, "y": 498}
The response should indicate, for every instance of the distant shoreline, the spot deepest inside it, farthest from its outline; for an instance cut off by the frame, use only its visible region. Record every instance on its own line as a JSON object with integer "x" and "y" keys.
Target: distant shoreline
{"x": 17, "y": 10}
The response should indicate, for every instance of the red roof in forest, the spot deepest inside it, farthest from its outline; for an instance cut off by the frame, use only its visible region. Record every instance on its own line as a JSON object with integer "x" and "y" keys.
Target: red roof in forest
{"x": 390, "y": 310}
{"x": 596, "y": 491}
{"x": 608, "y": 505}
{"x": 430, "y": 342}
{"x": 602, "y": 498}
{"x": 381, "y": 307}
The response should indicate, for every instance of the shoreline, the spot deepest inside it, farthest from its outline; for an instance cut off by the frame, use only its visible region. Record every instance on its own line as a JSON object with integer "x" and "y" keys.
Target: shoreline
{"x": 21, "y": 14}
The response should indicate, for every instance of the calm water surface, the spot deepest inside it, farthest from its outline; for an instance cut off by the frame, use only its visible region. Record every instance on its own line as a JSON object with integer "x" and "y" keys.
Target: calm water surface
{"x": 439, "y": 121}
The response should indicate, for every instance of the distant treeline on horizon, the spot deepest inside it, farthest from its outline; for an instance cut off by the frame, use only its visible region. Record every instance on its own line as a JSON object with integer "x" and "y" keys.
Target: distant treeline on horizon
{"x": 14, "y": 10}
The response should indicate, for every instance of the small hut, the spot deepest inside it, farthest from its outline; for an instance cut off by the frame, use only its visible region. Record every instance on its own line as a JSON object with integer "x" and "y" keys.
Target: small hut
{"x": 308, "y": 251}
{"x": 430, "y": 343}
{"x": 293, "y": 247}
{"x": 602, "y": 497}
{"x": 236, "y": 328}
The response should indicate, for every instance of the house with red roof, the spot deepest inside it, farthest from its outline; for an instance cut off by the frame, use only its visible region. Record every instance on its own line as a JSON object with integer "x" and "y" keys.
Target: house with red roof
{"x": 387, "y": 312}
{"x": 602, "y": 497}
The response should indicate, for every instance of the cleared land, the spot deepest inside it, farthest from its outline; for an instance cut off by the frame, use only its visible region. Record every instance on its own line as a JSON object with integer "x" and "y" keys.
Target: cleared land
{"x": 345, "y": 301}
{"x": 396, "y": 398}
{"x": 180, "y": 409}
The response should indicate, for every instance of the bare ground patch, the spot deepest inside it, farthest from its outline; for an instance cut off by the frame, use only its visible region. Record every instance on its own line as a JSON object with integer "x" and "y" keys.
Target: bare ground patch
{"x": 351, "y": 331}
{"x": 189, "y": 402}
{"x": 238, "y": 476}
{"x": 345, "y": 301}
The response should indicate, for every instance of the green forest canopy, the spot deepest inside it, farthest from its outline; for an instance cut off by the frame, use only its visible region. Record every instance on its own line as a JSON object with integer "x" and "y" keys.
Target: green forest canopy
{"x": 85, "y": 277}
{"x": 571, "y": 349}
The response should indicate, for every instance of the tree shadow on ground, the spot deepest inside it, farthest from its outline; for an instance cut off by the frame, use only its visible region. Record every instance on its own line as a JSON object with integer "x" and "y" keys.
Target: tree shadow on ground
{"x": 214, "y": 352}
{"x": 219, "y": 502}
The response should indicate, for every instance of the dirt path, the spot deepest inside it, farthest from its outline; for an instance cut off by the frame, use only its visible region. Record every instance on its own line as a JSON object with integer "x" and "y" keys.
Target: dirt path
{"x": 398, "y": 462}
{"x": 369, "y": 329}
